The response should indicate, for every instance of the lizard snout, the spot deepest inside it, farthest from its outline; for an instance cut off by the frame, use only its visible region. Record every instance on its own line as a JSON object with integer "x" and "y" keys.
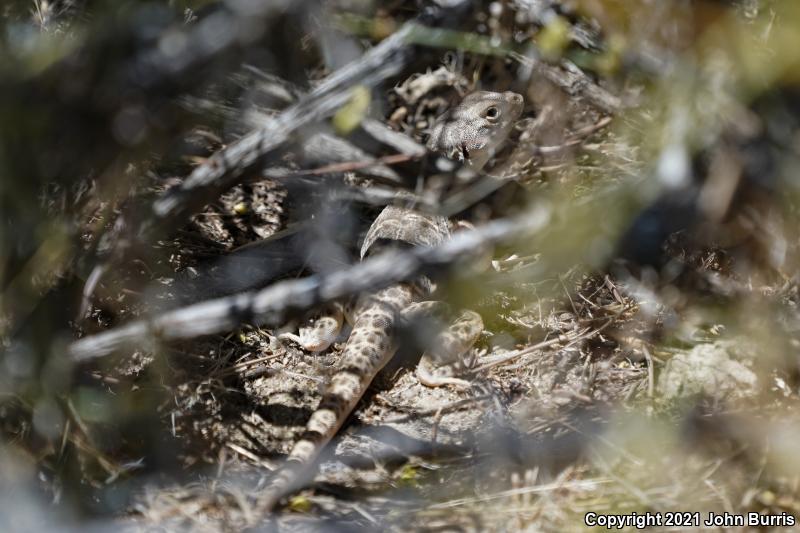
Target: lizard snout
{"x": 513, "y": 97}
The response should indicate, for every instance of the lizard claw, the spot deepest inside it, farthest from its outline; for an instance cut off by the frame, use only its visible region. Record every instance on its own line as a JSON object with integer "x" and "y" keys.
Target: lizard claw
{"x": 428, "y": 378}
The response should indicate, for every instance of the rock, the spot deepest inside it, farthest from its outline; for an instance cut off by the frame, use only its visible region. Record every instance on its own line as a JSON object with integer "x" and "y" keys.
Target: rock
{"x": 719, "y": 370}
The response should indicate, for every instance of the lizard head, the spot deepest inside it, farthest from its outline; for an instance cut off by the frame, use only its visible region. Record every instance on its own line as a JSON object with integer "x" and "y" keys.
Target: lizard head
{"x": 477, "y": 126}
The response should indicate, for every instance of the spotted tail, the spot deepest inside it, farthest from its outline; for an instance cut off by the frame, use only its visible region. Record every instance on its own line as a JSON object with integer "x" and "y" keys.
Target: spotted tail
{"x": 368, "y": 349}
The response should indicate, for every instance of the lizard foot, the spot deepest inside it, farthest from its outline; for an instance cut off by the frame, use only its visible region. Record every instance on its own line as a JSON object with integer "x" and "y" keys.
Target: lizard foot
{"x": 319, "y": 331}
{"x": 448, "y": 348}
{"x": 432, "y": 378}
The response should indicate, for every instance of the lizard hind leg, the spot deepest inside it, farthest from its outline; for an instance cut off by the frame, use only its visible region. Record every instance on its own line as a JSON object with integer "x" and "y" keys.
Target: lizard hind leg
{"x": 448, "y": 346}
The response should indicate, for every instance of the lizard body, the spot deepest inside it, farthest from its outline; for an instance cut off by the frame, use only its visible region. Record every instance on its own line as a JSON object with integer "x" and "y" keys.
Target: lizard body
{"x": 473, "y": 131}
{"x": 368, "y": 349}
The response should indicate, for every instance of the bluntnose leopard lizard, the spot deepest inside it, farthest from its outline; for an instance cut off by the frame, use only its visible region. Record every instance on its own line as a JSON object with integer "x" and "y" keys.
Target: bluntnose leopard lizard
{"x": 472, "y": 132}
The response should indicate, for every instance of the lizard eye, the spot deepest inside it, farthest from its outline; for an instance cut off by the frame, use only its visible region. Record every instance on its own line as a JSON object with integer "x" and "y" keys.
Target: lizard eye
{"x": 492, "y": 113}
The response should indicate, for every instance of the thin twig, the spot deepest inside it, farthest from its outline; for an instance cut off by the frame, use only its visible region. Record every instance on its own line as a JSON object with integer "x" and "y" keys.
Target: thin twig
{"x": 349, "y": 166}
{"x": 443, "y": 409}
{"x": 587, "y": 484}
{"x": 586, "y": 334}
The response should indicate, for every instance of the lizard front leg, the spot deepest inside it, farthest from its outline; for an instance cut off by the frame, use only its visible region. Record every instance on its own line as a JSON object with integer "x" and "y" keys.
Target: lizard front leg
{"x": 448, "y": 345}
{"x": 320, "y": 330}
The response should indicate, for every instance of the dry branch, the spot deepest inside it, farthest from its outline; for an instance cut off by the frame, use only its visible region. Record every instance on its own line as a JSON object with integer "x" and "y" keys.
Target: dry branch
{"x": 271, "y": 305}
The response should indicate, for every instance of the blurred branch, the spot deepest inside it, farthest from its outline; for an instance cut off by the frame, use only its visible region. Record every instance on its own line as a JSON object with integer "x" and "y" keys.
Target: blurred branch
{"x": 228, "y": 166}
{"x": 271, "y": 305}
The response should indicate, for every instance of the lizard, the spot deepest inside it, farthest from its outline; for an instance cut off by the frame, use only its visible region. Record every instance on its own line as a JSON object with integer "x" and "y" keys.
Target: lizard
{"x": 471, "y": 132}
